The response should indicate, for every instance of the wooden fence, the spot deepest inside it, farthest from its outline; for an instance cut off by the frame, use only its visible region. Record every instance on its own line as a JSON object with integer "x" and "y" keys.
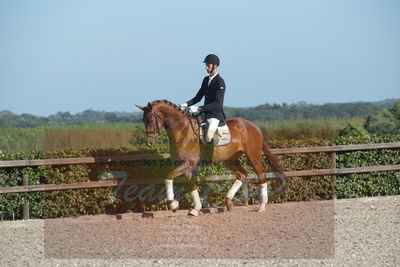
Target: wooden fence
{"x": 331, "y": 150}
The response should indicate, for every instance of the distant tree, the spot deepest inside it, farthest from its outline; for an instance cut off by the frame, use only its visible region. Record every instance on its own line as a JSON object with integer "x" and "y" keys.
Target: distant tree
{"x": 352, "y": 129}
{"x": 65, "y": 115}
{"x": 395, "y": 110}
{"x": 382, "y": 122}
{"x": 28, "y": 120}
{"x": 8, "y": 119}
{"x": 111, "y": 117}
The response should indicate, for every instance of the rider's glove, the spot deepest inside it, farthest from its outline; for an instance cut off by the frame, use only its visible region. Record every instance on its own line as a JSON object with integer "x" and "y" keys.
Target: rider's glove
{"x": 193, "y": 110}
{"x": 183, "y": 106}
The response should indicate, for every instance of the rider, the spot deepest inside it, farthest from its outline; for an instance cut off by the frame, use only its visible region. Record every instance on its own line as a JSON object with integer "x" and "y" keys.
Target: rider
{"x": 213, "y": 88}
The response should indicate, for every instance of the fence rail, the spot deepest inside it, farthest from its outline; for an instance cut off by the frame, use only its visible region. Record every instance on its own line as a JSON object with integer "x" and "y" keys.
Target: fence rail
{"x": 113, "y": 159}
{"x": 110, "y": 159}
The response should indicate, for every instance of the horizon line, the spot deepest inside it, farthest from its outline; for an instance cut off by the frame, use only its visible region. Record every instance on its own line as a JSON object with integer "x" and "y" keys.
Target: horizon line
{"x": 244, "y": 107}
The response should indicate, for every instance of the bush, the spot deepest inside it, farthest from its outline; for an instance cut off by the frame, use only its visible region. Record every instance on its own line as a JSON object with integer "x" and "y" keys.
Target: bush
{"x": 352, "y": 129}
{"x": 382, "y": 122}
{"x": 368, "y": 184}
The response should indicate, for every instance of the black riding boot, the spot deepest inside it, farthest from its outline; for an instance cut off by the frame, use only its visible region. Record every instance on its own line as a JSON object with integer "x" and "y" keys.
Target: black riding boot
{"x": 208, "y": 156}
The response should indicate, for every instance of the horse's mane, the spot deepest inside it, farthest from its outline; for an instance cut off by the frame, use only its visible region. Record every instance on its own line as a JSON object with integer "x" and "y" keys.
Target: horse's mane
{"x": 173, "y": 105}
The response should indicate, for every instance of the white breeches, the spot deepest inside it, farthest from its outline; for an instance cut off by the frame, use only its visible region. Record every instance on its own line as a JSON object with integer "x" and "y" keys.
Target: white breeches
{"x": 212, "y": 127}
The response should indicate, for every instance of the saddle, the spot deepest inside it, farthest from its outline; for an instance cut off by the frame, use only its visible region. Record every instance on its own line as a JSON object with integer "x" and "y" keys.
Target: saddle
{"x": 222, "y": 135}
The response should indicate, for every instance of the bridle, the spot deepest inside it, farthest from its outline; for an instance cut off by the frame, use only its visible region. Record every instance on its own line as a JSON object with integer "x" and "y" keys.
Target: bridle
{"x": 156, "y": 133}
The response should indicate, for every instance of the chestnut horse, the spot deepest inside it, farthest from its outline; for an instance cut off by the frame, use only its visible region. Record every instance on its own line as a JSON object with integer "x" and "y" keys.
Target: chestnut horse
{"x": 185, "y": 147}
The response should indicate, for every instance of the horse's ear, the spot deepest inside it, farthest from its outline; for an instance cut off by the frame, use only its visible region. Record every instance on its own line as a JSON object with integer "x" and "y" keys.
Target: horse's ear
{"x": 141, "y": 107}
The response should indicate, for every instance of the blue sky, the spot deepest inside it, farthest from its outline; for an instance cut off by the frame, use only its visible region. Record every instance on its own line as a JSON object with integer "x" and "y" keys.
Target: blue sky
{"x": 109, "y": 55}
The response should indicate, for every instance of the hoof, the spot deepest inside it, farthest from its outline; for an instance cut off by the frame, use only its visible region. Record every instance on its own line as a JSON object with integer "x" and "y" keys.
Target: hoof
{"x": 261, "y": 208}
{"x": 193, "y": 212}
{"x": 174, "y": 205}
{"x": 229, "y": 204}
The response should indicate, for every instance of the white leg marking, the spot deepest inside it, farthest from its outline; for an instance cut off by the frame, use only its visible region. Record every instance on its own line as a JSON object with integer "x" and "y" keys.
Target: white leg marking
{"x": 169, "y": 184}
{"x": 196, "y": 199}
{"x": 264, "y": 196}
{"x": 235, "y": 187}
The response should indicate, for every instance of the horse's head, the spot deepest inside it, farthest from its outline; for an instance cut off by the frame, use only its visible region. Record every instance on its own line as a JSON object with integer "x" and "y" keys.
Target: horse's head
{"x": 153, "y": 122}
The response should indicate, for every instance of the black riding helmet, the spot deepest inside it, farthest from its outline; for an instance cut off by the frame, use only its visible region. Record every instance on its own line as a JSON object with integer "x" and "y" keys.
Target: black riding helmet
{"x": 211, "y": 59}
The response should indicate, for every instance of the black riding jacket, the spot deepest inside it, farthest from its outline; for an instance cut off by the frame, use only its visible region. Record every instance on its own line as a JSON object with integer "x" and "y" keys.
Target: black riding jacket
{"x": 214, "y": 98}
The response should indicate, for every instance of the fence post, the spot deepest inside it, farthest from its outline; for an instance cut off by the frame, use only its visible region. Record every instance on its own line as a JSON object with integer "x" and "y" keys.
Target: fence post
{"x": 25, "y": 182}
{"x": 333, "y": 166}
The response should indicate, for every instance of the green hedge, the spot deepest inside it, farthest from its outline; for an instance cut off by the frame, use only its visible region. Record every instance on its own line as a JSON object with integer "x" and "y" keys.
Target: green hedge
{"x": 65, "y": 203}
{"x": 61, "y": 203}
{"x": 368, "y": 184}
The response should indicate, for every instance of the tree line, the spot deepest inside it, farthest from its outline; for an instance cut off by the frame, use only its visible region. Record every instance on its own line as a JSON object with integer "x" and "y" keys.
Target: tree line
{"x": 384, "y": 121}
{"x": 266, "y": 112}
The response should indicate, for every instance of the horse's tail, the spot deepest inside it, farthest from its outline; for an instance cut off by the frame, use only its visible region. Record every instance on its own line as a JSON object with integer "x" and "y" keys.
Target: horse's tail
{"x": 275, "y": 166}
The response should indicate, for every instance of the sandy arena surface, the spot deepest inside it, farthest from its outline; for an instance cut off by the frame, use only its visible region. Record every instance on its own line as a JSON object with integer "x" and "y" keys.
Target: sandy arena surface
{"x": 351, "y": 232}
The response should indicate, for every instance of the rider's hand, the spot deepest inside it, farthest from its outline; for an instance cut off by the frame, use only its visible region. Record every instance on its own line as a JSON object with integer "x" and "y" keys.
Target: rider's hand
{"x": 194, "y": 110}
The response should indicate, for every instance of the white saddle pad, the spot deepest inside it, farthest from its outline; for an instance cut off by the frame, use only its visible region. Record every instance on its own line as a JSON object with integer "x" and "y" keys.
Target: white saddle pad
{"x": 221, "y": 137}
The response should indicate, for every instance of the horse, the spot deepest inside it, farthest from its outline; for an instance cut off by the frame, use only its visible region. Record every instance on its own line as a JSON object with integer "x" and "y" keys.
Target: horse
{"x": 182, "y": 130}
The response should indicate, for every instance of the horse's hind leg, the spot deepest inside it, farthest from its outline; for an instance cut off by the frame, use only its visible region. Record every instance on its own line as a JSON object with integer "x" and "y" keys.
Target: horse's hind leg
{"x": 256, "y": 164}
{"x": 241, "y": 174}
{"x": 194, "y": 193}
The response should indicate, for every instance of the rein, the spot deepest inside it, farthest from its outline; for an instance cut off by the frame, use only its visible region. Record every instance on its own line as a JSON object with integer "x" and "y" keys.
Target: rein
{"x": 198, "y": 124}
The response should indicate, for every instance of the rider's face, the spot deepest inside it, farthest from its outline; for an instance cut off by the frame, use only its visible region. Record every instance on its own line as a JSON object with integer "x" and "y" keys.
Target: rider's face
{"x": 209, "y": 67}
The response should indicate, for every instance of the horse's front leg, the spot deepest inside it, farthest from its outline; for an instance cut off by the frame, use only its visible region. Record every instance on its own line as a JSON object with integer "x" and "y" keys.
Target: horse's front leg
{"x": 183, "y": 169}
{"x": 195, "y": 197}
